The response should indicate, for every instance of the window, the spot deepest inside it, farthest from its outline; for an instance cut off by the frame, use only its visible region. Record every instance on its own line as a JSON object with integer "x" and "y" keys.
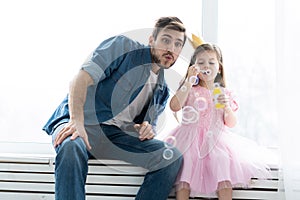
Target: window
{"x": 246, "y": 34}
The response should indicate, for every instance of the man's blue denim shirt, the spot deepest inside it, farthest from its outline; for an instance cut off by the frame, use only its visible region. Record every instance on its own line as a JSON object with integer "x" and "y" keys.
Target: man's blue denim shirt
{"x": 119, "y": 67}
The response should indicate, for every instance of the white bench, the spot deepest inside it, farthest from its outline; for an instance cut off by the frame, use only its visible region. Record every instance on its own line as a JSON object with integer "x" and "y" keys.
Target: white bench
{"x": 30, "y": 177}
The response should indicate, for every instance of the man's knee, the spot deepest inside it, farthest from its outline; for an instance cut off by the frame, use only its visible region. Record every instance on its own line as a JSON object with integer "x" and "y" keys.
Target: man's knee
{"x": 72, "y": 150}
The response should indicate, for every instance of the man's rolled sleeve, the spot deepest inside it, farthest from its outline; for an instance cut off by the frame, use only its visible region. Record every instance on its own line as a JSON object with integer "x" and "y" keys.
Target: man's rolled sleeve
{"x": 94, "y": 70}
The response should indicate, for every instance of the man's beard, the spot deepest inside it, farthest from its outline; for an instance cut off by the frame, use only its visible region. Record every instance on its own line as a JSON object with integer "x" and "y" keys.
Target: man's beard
{"x": 157, "y": 61}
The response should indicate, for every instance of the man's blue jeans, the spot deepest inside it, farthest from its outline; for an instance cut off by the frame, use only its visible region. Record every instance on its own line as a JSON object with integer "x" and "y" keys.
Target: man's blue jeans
{"x": 71, "y": 165}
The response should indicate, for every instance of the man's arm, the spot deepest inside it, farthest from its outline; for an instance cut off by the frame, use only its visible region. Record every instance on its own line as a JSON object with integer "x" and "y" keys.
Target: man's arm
{"x": 77, "y": 97}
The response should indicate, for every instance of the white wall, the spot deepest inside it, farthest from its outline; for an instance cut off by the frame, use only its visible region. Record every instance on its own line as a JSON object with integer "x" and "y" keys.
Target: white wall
{"x": 44, "y": 42}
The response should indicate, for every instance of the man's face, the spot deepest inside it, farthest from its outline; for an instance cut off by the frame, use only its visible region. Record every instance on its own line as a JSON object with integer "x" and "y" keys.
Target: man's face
{"x": 167, "y": 47}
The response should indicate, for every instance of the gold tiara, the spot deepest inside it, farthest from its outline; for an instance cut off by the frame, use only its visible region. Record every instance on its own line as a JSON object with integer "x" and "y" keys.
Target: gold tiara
{"x": 196, "y": 41}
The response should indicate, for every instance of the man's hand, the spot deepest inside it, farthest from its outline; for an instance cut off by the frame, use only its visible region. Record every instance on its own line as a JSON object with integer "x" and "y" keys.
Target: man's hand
{"x": 73, "y": 130}
{"x": 145, "y": 130}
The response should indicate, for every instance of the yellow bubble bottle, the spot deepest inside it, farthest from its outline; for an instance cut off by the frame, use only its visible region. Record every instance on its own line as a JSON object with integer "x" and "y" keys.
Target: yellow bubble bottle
{"x": 216, "y": 92}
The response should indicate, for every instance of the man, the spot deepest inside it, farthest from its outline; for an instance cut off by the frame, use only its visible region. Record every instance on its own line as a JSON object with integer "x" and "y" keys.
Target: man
{"x": 112, "y": 109}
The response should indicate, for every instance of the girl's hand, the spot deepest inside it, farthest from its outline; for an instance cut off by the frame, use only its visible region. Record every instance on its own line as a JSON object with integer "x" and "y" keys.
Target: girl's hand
{"x": 224, "y": 99}
{"x": 192, "y": 71}
{"x": 192, "y": 74}
{"x": 229, "y": 116}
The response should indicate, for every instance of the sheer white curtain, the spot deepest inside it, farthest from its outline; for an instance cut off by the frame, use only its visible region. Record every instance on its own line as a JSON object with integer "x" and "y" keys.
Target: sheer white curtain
{"x": 260, "y": 41}
{"x": 288, "y": 70}
{"x": 246, "y": 34}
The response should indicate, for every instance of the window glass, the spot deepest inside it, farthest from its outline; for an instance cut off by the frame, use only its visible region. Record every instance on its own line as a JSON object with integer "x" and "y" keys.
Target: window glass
{"x": 247, "y": 37}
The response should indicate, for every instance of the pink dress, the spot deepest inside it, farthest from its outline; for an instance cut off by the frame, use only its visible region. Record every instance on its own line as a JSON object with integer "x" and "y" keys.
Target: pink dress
{"x": 211, "y": 153}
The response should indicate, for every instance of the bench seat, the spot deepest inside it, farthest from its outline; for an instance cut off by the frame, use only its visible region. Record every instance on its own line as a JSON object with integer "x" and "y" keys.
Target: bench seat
{"x": 31, "y": 177}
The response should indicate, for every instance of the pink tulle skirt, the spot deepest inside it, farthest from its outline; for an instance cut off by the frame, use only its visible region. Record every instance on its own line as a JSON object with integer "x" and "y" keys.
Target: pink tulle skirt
{"x": 211, "y": 163}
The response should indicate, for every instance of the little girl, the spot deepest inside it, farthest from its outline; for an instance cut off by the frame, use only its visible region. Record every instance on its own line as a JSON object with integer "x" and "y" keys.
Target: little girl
{"x": 213, "y": 158}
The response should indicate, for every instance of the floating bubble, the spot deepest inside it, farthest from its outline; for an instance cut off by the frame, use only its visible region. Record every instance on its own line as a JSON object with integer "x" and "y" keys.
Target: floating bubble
{"x": 216, "y": 84}
{"x": 183, "y": 88}
{"x": 194, "y": 80}
{"x": 201, "y": 103}
{"x": 170, "y": 142}
{"x": 189, "y": 115}
{"x": 208, "y": 72}
{"x": 168, "y": 154}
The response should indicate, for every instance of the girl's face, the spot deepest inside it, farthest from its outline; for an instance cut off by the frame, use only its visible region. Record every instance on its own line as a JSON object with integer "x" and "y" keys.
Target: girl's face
{"x": 207, "y": 62}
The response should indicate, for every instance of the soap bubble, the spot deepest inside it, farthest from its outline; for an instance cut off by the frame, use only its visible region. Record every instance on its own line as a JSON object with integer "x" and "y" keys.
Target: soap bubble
{"x": 168, "y": 154}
